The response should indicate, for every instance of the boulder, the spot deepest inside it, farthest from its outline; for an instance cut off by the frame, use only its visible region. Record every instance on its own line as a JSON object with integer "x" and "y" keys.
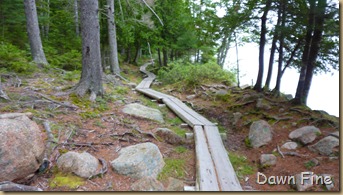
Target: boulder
{"x": 262, "y": 104}
{"x": 260, "y": 133}
{"x": 21, "y": 148}
{"x": 169, "y": 136}
{"x": 335, "y": 134}
{"x": 222, "y": 92}
{"x": 268, "y": 160}
{"x": 325, "y": 146}
{"x": 190, "y": 97}
{"x": 139, "y": 110}
{"x": 302, "y": 184}
{"x": 305, "y": 135}
{"x": 236, "y": 117}
{"x": 289, "y": 146}
{"x": 147, "y": 184}
{"x": 174, "y": 185}
{"x": 138, "y": 161}
{"x": 81, "y": 164}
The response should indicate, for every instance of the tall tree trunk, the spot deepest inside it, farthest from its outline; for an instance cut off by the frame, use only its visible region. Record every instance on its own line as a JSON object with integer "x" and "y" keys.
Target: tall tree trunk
{"x": 273, "y": 49}
{"x": 138, "y": 47}
{"x": 258, "y": 85}
{"x": 298, "y": 99}
{"x": 33, "y": 33}
{"x": 165, "y": 57}
{"x": 91, "y": 76}
{"x": 159, "y": 57}
{"x": 128, "y": 54}
{"x": 112, "y": 36}
{"x": 237, "y": 63}
{"x": 76, "y": 18}
{"x": 315, "y": 46}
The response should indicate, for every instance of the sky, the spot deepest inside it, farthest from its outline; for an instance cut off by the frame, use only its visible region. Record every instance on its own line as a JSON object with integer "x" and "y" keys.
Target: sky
{"x": 324, "y": 92}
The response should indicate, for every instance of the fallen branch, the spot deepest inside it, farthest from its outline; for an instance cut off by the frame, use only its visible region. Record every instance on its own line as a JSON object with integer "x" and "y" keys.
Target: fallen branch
{"x": 50, "y": 138}
{"x": 102, "y": 171}
{"x": 10, "y": 186}
{"x": 59, "y": 103}
{"x": 279, "y": 150}
{"x": 294, "y": 154}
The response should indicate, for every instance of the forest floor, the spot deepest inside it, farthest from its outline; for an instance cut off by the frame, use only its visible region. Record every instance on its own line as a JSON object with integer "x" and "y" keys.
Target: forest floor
{"x": 102, "y": 129}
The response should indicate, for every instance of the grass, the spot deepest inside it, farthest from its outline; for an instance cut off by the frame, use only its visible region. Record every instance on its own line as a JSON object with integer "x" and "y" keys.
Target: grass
{"x": 180, "y": 149}
{"x": 173, "y": 168}
{"x": 241, "y": 165}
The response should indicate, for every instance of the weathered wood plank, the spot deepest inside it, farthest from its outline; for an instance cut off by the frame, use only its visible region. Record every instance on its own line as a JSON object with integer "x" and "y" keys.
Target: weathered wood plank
{"x": 192, "y": 112}
{"x": 206, "y": 173}
{"x": 226, "y": 174}
{"x": 189, "y": 119}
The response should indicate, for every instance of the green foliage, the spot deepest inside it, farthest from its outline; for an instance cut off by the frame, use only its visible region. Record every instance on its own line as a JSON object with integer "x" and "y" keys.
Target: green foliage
{"x": 172, "y": 168}
{"x": 121, "y": 90}
{"x": 247, "y": 142}
{"x": 193, "y": 75}
{"x": 179, "y": 131}
{"x": 13, "y": 59}
{"x": 70, "y": 60}
{"x": 241, "y": 165}
{"x": 310, "y": 164}
{"x": 180, "y": 149}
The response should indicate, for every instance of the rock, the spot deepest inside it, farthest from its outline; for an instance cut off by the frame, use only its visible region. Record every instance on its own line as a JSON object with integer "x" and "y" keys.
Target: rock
{"x": 260, "y": 133}
{"x": 251, "y": 97}
{"x": 262, "y": 104}
{"x": 236, "y": 117}
{"x": 174, "y": 185}
{"x": 132, "y": 85}
{"x": 289, "y": 145}
{"x": 189, "y": 136}
{"x": 169, "y": 136}
{"x": 223, "y": 136}
{"x": 246, "y": 86}
{"x": 335, "y": 134}
{"x": 329, "y": 185}
{"x": 138, "y": 161}
{"x": 11, "y": 187}
{"x": 305, "y": 134}
{"x": 221, "y": 92}
{"x": 314, "y": 162}
{"x": 325, "y": 146}
{"x": 288, "y": 96}
{"x": 147, "y": 184}
{"x": 281, "y": 110}
{"x": 21, "y": 148}
{"x": 267, "y": 160}
{"x": 190, "y": 97}
{"x": 144, "y": 112}
{"x": 81, "y": 164}
{"x": 302, "y": 184}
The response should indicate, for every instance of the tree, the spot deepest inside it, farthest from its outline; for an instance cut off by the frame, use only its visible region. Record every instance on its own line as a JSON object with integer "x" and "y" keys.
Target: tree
{"x": 258, "y": 85}
{"x": 316, "y": 18}
{"x": 33, "y": 33}
{"x": 91, "y": 75}
{"x": 112, "y": 36}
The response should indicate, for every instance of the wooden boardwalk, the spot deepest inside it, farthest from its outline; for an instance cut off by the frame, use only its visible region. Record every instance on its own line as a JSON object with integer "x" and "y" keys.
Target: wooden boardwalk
{"x": 214, "y": 169}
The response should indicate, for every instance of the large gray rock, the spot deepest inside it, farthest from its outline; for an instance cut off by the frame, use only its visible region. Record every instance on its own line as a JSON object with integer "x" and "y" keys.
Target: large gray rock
{"x": 169, "y": 136}
{"x": 21, "y": 148}
{"x": 305, "y": 134}
{"x": 325, "y": 146}
{"x": 144, "y": 112}
{"x": 147, "y": 184}
{"x": 82, "y": 164}
{"x": 267, "y": 160}
{"x": 260, "y": 133}
{"x": 138, "y": 161}
{"x": 262, "y": 104}
{"x": 175, "y": 185}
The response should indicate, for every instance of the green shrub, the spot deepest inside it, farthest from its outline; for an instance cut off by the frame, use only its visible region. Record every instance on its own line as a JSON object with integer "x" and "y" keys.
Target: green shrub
{"x": 71, "y": 60}
{"x": 194, "y": 74}
{"x": 14, "y": 60}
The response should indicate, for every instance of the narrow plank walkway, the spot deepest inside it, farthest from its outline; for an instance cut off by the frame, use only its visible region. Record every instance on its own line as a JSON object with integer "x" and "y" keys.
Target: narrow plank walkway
{"x": 214, "y": 169}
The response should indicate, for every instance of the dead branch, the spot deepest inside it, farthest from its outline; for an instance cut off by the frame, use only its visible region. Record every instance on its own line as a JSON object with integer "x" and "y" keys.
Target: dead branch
{"x": 298, "y": 110}
{"x": 102, "y": 171}
{"x": 294, "y": 154}
{"x": 10, "y": 186}
{"x": 148, "y": 134}
{"x": 15, "y": 115}
{"x": 242, "y": 104}
{"x": 50, "y": 139}
{"x": 59, "y": 103}
{"x": 279, "y": 150}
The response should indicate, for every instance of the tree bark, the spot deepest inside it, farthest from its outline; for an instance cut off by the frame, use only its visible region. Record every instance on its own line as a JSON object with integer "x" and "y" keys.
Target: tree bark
{"x": 34, "y": 33}
{"x": 91, "y": 76}
{"x": 165, "y": 57}
{"x": 112, "y": 36}
{"x": 159, "y": 57}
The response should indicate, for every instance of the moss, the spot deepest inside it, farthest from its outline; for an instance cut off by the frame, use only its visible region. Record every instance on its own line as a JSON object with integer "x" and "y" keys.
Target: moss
{"x": 66, "y": 180}
{"x": 247, "y": 142}
{"x": 241, "y": 165}
{"x": 173, "y": 168}
{"x": 180, "y": 132}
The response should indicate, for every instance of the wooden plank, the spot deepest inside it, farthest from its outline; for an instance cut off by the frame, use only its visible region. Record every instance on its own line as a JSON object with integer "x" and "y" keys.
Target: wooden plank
{"x": 206, "y": 173}
{"x": 150, "y": 93}
{"x": 189, "y": 119}
{"x": 226, "y": 174}
{"x": 192, "y": 112}
{"x": 160, "y": 94}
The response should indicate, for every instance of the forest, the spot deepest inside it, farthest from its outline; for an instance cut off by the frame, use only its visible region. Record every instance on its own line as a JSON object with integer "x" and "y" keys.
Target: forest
{"x": 136, "y": 95}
